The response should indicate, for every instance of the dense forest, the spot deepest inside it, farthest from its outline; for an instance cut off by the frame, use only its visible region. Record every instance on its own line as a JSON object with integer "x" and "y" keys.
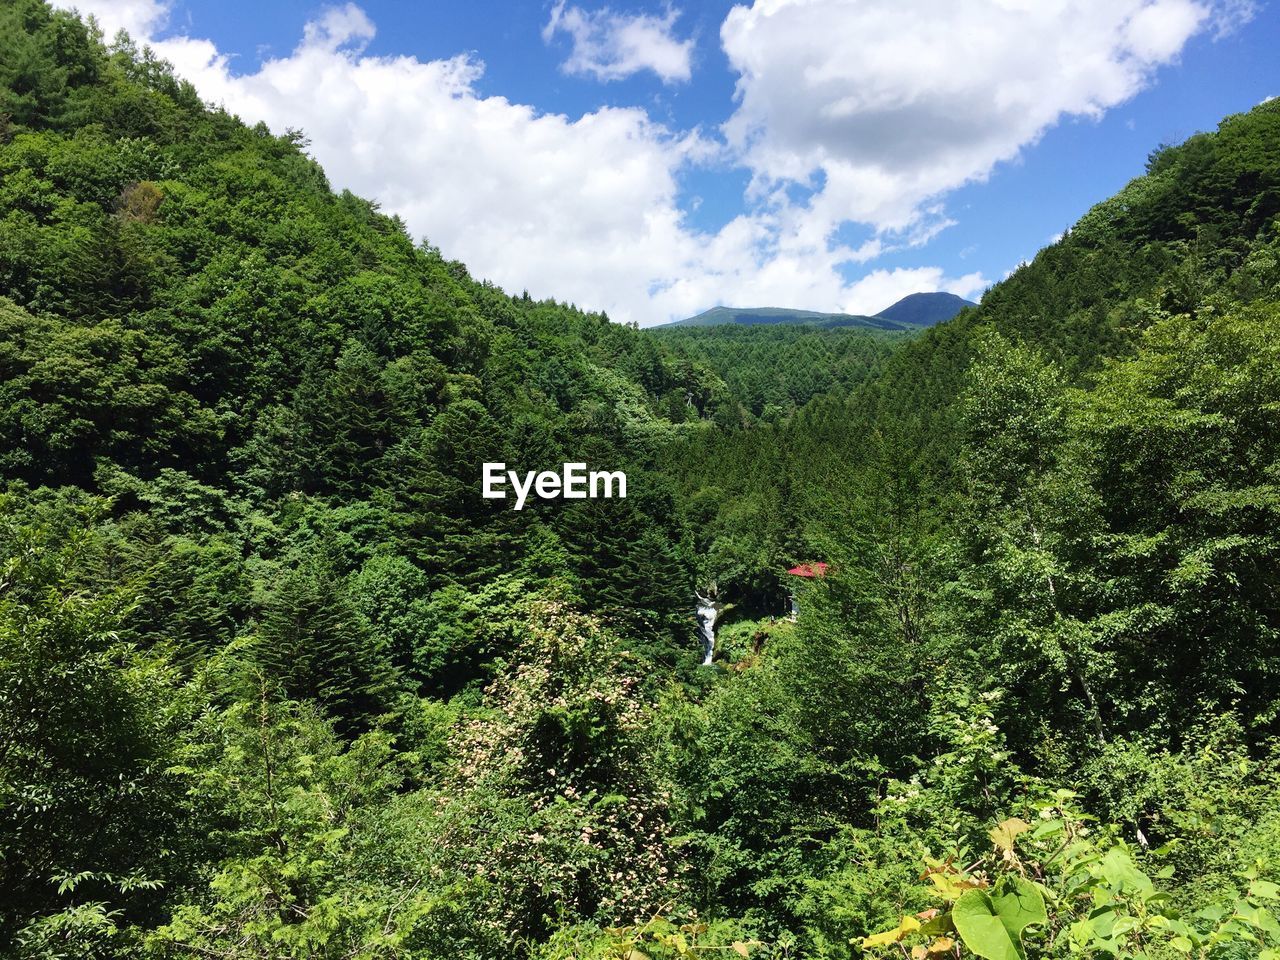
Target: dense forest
{"x": 770, "y": 372}
{"x": 276, "y": 681}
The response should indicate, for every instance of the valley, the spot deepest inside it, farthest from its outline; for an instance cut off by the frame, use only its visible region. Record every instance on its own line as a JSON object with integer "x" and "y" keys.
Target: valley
{"x": 279, "y": 677}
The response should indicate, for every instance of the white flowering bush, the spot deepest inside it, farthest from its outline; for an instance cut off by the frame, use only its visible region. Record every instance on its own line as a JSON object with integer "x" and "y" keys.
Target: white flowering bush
{"x": 553, "y": 805}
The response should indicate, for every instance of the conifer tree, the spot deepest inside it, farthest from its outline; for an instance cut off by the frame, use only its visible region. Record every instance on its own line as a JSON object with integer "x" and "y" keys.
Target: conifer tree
{"x": 317, "y": 648}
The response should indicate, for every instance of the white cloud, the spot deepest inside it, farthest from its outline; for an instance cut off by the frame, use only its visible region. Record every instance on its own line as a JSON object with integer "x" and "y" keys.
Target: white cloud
{"x": 138, "y": 17}
{"x": 581, "y": 209}
{"x": 898, "y": 101}
{"x": 1228, "y": 15}
{"x": 338, "y": 27}
{"x": 611, "y": 46}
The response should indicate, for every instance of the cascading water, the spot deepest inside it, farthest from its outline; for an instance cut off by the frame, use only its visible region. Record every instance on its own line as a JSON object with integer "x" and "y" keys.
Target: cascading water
{"x": 708, "y": 611}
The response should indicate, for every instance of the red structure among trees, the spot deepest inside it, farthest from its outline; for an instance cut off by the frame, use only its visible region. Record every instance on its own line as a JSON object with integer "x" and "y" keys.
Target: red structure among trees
{"x": 809, "y": 570}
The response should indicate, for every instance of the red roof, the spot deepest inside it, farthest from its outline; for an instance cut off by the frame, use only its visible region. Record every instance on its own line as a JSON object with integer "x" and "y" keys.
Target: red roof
{"x": 809, "y": 570}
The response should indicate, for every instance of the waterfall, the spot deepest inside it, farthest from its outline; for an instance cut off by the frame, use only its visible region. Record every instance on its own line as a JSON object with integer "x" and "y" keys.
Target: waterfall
{"x": 708, "y": 611}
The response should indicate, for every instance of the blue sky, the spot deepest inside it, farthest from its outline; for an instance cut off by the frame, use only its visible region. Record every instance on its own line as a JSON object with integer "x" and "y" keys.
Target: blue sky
{"x": 654, "y": 160}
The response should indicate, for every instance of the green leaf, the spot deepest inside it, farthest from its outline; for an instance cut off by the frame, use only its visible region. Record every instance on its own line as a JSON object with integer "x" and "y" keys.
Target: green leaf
{"x": 1119, "y": 871}
{"x": 1125, "y": 925}
{"x": 1102, "y": 922}
{"x": 1264, "y": 890}
{"x": 1020, "y": 904}
{"x": 1047, "y": 828}
{"x": 980, "y": 928}
{"x": 992, "y": 926}
{"x": 940, "y": 925}
{"x": 1081, "y": 933}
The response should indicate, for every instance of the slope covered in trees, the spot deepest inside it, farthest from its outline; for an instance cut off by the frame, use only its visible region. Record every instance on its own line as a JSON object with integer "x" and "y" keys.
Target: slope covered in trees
{"x": 770, "y": 372}
{"x": 275, "y": 681}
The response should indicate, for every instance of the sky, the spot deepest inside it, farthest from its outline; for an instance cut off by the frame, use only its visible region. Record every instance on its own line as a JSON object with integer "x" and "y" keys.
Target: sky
{"x": 653, "y": 160}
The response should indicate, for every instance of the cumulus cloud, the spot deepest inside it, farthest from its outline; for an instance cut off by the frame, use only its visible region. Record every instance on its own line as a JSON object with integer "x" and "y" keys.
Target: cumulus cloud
{"x": 336, "y": 27}
{"x": 898, "y": 101}
{"x": 137, "y": 17}
{"x": 608, "y": 45}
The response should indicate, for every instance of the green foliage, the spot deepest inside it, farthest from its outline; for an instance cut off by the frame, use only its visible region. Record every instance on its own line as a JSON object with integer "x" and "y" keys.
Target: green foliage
{"x": 558, "y": 759}
{"x": 91, "y": 819}
{"x": 1059, "y": 886}
{"x": 276, "y": 681}
{"x": 289, "y": 800}
{"x": 770, "y": 372}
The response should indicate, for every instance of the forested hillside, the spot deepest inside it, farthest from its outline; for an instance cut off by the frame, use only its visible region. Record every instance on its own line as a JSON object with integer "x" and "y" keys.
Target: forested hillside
{"x": 770, "y": 372}
{"x": 276, "y": 681}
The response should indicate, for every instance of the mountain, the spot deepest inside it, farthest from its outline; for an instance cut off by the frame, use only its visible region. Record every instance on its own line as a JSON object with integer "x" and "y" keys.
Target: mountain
{"x": 925, "y": 309}
{"x": 910, "y": 313}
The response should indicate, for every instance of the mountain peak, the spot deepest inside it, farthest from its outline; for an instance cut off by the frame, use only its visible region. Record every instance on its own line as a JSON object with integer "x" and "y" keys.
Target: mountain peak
{"x": 925, "y": 309}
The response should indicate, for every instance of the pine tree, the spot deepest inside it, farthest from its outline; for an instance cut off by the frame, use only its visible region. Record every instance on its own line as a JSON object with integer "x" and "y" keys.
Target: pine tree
{"x": 314, "y": 644}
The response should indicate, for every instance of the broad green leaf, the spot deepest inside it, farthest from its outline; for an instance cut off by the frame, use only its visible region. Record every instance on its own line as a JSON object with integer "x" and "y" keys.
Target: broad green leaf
{"x": 1049, "y": 829}
{"x": 1125, "y": 925}
{"x": 1082, "y": 932}
{"x": 980, "y": 928}
{"x": 992, "y": 926}
{"x": 1264, "y": 890}
{"x": 1103, "y": 921}
{"x": 1019, "y": 904}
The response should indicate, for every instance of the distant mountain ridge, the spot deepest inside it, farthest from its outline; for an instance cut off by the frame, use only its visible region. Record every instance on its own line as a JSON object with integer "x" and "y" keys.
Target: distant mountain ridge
{"x": 913, "y": 312}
